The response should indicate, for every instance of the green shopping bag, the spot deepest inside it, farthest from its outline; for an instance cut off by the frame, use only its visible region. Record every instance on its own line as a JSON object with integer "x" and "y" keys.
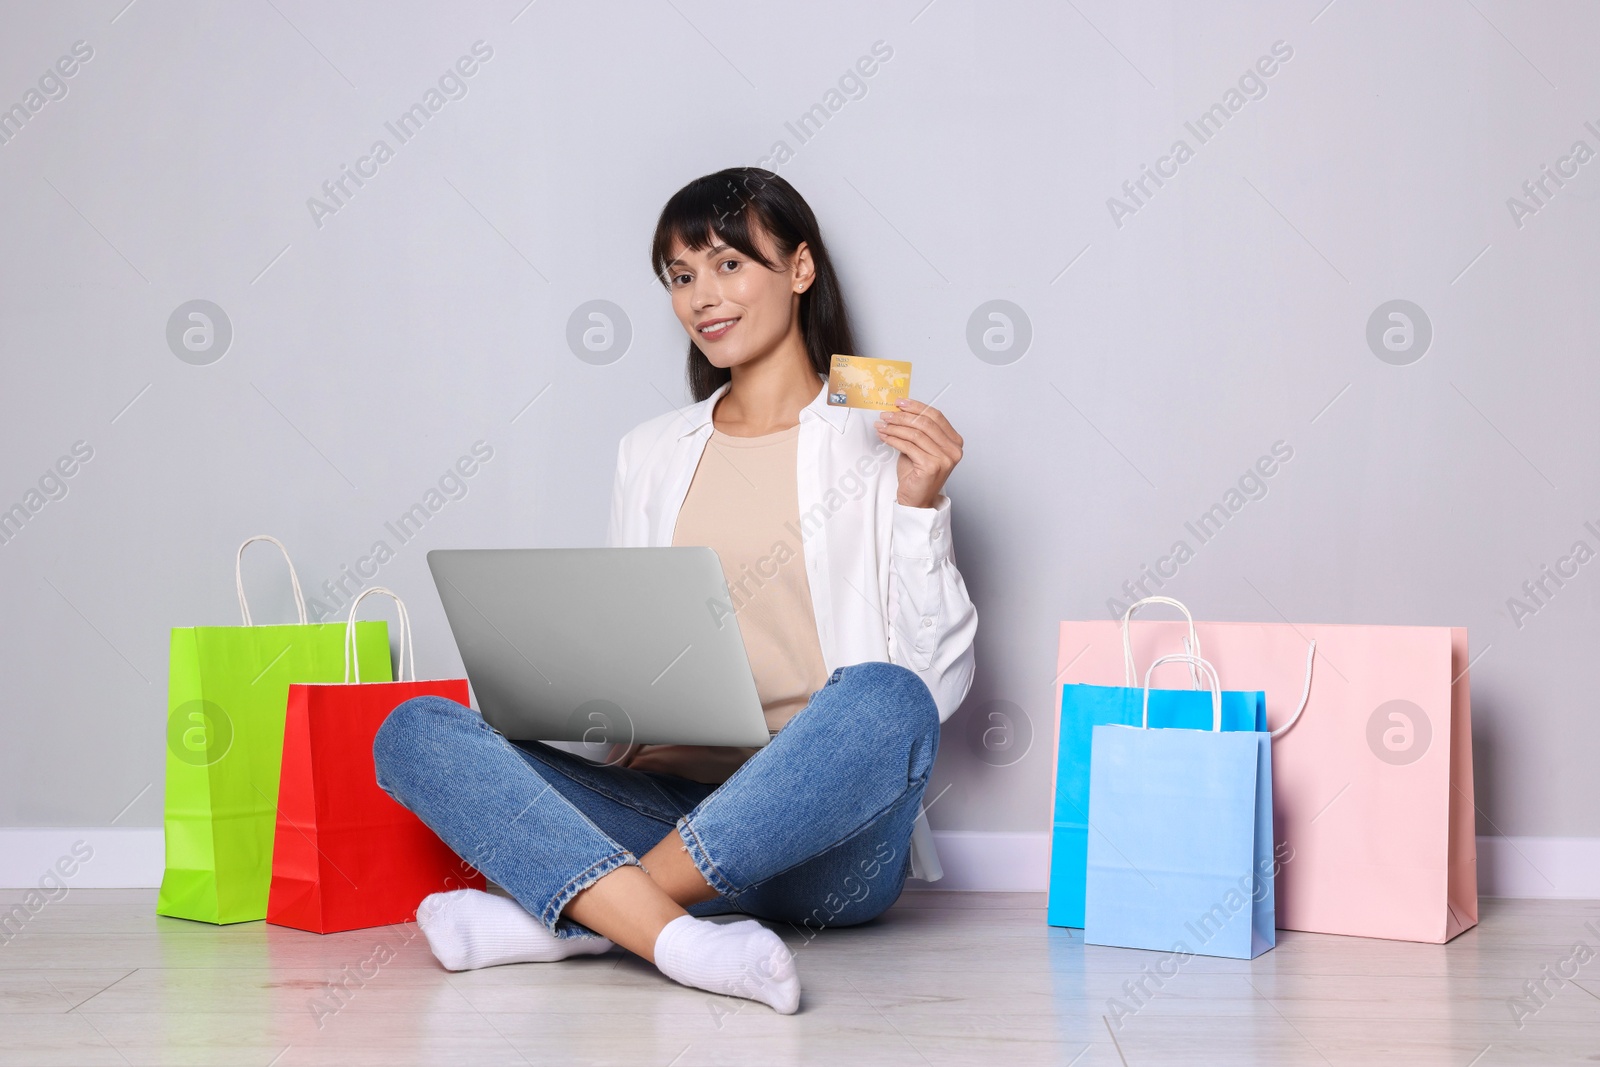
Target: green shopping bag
{"x": 227, "y": 691}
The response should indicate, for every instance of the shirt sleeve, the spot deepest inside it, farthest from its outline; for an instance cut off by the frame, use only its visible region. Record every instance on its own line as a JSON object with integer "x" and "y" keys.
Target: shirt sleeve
{"x": 932, "y": 619}
{"x": 614, "y": 524}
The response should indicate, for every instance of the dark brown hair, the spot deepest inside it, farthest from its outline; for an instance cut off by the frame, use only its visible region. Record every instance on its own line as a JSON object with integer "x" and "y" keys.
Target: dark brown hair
{"x": 732, "y": 206}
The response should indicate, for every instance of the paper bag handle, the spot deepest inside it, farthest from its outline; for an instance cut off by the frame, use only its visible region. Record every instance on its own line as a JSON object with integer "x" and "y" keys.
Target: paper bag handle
{"x": 408, "y": 653}
{"x": 1194, "y": 662}
{"x": 1191, "y": 646}
{"x": 238, "y": 578}
{"x": 1305, "y": 693}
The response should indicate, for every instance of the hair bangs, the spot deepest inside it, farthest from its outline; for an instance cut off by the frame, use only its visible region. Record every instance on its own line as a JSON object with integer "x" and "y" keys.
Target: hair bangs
{"x": 708, "y": 210}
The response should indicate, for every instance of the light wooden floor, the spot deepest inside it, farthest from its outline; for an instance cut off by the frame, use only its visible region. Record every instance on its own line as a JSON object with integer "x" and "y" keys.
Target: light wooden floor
{"x": 943, "y": 978}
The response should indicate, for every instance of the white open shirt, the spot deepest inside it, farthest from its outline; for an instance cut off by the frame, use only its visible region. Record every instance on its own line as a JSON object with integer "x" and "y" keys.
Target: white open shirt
{"x": 883, "y": 578}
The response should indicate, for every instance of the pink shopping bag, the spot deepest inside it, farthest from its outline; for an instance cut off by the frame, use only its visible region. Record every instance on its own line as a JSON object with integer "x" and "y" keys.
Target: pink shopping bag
{"x": 1372, "y": 782}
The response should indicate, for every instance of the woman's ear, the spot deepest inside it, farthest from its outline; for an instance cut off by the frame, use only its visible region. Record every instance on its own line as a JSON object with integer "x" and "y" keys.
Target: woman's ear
{"x": 805, "y": 271}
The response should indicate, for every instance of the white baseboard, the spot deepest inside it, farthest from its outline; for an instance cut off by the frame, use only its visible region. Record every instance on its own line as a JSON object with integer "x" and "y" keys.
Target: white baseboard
{"x": 118, "y": 857}
{"x": 974, "y": 860}
{"x": 1566, "y": 868}
{"x": 983, "y": 862}
{"x": 1539, "y": 867}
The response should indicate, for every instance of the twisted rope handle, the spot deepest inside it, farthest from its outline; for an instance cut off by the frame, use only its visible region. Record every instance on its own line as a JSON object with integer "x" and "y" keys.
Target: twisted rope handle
{"x": 408, "y": 652}
{"x": 238, "y": 578}
{"x": 1191, "y": 647}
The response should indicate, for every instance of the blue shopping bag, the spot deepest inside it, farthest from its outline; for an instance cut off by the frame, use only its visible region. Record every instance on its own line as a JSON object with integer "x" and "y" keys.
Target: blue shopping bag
{"x": 1084, "y": 707}
{"x": 1180, "y": 843}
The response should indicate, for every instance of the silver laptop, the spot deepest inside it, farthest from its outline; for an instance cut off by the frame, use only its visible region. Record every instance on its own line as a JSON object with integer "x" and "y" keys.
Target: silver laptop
{"x": 601, "y": 644}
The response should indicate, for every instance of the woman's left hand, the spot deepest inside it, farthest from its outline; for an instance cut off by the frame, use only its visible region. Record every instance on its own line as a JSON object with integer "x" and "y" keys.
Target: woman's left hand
{"x": 929, "y": 448}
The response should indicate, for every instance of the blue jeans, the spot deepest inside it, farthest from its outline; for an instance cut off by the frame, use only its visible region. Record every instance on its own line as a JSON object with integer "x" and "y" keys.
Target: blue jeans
{"x": 813, "y": 829}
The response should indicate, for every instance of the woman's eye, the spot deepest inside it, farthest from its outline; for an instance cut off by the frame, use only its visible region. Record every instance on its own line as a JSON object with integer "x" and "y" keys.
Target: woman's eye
{"x": 680, "y": 279}
{"x": 730, "y": 264}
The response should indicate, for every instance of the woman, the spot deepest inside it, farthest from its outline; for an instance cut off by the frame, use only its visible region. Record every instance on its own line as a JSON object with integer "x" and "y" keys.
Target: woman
{"x": 858, "y": 627}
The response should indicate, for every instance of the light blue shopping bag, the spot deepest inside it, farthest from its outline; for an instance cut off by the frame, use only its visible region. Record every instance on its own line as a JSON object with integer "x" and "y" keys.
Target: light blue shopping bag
{"x": 1180, "y": 837}
{"x": 1084, "y": 707}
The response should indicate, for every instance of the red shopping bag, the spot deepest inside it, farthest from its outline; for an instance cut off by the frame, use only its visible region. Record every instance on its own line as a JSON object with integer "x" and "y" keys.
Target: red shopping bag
{"x": 346, "y": 855}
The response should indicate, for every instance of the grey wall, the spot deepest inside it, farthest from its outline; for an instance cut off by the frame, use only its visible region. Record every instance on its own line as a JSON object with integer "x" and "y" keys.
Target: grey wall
{"x": 1171, "y": 346}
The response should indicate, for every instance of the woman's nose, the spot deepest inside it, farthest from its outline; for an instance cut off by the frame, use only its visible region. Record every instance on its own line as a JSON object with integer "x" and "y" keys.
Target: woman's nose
{"x": 705, "y": 293}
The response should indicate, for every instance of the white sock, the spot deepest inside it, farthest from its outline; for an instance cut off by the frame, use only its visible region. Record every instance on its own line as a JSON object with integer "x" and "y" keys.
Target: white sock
{"x": 468, "y": 928}
{"x": 741, "y": 959}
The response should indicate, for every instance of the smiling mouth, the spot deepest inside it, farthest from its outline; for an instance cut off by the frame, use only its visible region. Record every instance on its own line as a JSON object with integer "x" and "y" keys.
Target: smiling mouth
{"x": 713, "y": 330}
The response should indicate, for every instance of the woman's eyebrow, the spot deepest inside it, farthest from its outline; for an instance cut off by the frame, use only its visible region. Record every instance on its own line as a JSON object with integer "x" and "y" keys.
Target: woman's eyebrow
{"x": 712, "y": 251}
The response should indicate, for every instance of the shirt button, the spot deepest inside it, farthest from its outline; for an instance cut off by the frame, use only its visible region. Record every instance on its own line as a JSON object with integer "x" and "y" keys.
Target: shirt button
{"x": 926, "y": 622}
{"x": 936, "y": 534}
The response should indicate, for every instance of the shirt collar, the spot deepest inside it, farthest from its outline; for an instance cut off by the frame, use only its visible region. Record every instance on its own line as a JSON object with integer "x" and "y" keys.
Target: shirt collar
{"x": 697, "y": 417}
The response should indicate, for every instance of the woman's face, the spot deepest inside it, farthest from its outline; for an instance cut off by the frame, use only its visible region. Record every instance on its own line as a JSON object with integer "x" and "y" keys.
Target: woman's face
{"x": 733, "y": 308}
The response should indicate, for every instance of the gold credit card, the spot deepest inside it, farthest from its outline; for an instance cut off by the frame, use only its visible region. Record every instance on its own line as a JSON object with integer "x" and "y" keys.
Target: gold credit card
{"x": 859, "y": 382}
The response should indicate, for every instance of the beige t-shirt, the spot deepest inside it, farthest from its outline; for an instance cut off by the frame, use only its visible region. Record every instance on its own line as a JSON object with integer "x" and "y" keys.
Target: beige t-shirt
{"x": 744, "y": 502}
